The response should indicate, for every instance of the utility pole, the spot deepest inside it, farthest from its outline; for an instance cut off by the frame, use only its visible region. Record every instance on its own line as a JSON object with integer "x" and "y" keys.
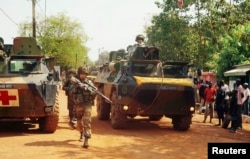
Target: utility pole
{"x": 34, "y": 18}
{"x": 200, "y": 51}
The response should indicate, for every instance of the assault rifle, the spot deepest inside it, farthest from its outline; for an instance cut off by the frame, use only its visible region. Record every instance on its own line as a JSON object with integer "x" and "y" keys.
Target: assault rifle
{"x": 90, "y": 87}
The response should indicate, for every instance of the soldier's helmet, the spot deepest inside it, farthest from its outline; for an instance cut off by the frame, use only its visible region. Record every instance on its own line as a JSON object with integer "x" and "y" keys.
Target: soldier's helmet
{"x": 82, "y": 70}
{"x": 72, "y": 71}
{"x": 139, "y": 37}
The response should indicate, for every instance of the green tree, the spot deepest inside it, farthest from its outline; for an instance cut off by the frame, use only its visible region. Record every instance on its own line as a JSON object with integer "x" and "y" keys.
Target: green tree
{"x": 171, "y": 33}
{"x": 62, "y": 38}
{"x": 198, "y": 32}
{"x": 235, "y": 49}
{"x": 220, "y": 19}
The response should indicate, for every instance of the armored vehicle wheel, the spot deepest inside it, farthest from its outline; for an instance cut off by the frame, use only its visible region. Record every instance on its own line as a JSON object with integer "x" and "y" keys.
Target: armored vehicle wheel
{"x": 155, "y": 117}
{"x": 118, "y": 120}
{"x": 48, "y": 124}
{"x": 182, "y": 122}
{"x": 102, "y": 107}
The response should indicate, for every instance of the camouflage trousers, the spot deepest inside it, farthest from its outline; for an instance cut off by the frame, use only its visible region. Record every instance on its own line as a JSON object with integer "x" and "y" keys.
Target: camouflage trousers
{"x": 83, "y": 114}
{"x": 71, "y": 108}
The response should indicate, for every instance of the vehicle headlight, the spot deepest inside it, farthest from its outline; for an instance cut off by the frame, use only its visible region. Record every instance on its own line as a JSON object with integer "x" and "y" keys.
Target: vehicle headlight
{"x": 125, "y": 107}
{"x": 192, "y": 109}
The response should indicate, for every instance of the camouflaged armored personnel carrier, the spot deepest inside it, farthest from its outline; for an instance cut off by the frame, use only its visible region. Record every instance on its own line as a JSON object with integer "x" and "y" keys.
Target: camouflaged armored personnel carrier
{"x": 28, "y": 88}
{"x": 139, "y": 84}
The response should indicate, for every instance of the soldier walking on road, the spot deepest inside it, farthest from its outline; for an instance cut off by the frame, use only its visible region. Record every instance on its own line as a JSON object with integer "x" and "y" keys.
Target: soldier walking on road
{"x": 83, "y": 99}
{"x": 70, "y": 103}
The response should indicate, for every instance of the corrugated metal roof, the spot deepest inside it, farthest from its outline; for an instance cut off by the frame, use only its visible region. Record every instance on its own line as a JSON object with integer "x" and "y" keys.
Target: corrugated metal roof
{"x": 237, "y": 72}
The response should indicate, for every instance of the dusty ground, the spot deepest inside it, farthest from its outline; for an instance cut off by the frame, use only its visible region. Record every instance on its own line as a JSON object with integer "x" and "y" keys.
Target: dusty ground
{"x": 142, "y": 140}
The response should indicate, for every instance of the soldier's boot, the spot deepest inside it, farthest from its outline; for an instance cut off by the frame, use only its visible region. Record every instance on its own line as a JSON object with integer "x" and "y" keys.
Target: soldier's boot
{"x": 204, "y": 119}
{"x": 81, "y": 137}
{"x": 73, "y": 123}
{"x": 86, "y": 143}
{"x": 218, "y": 123}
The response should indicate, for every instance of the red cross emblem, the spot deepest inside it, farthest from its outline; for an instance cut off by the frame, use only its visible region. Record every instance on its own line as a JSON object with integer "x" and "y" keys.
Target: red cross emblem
{"x": 5, "y": 97}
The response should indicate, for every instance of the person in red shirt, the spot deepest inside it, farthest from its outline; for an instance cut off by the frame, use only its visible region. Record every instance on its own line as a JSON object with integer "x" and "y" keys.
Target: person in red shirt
{"x": 209, "y": 93}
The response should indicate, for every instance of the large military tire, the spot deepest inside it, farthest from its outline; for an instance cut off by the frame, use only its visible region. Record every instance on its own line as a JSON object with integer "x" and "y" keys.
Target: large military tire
{"x": 49, "y": 123}
{"x": 118, "y": 120}
{"x": 102, "y": 107}
{"x": 155, "y": 117}
{"x": 182, "y": 123}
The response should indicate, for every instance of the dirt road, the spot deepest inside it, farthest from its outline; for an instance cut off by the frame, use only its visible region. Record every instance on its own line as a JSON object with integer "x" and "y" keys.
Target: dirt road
{"x": 142, "y": 140}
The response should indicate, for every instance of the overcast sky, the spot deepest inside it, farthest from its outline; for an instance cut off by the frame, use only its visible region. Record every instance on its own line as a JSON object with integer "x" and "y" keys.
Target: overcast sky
{"x": 109, "y": 24}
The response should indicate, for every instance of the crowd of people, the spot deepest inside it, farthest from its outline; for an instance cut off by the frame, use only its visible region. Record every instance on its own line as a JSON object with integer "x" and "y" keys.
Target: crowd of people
{"x": 229, "y": 104}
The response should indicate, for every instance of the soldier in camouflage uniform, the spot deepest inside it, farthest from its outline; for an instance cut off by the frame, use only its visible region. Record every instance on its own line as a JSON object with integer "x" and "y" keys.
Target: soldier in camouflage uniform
{"x": 1, "y": 43}
{"x": 83, "y": 99}
{"x": 70, "y": 103}
{"x": 140, "y": 40}
{"x": 1, "y": 49}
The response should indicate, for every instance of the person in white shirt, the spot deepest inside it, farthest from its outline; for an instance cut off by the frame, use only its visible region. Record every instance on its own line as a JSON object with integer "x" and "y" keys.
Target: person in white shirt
{"x": 240, "y": 96}
{"x": 225, "y": 87}
{"x": 245, "y": 99}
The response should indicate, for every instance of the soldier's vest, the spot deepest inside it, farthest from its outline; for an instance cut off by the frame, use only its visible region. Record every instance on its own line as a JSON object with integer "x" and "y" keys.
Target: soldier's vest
{"x": 80, "y": 95}
{"x": 67, "y": 87}
{"x": 71, "y": 89}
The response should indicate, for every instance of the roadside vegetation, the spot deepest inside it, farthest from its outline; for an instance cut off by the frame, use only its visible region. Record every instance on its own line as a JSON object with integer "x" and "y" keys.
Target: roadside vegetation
{"x": 213, "y": 35}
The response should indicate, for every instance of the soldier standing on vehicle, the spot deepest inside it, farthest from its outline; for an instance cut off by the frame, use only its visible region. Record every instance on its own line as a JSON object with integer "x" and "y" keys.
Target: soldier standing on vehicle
{"x": 70, "y": 103}
{"x": 1, "y": 43}
{"x": 1, "y": 49}
{"x": 83, "y": 99}
{"x": 140, "y": 40}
